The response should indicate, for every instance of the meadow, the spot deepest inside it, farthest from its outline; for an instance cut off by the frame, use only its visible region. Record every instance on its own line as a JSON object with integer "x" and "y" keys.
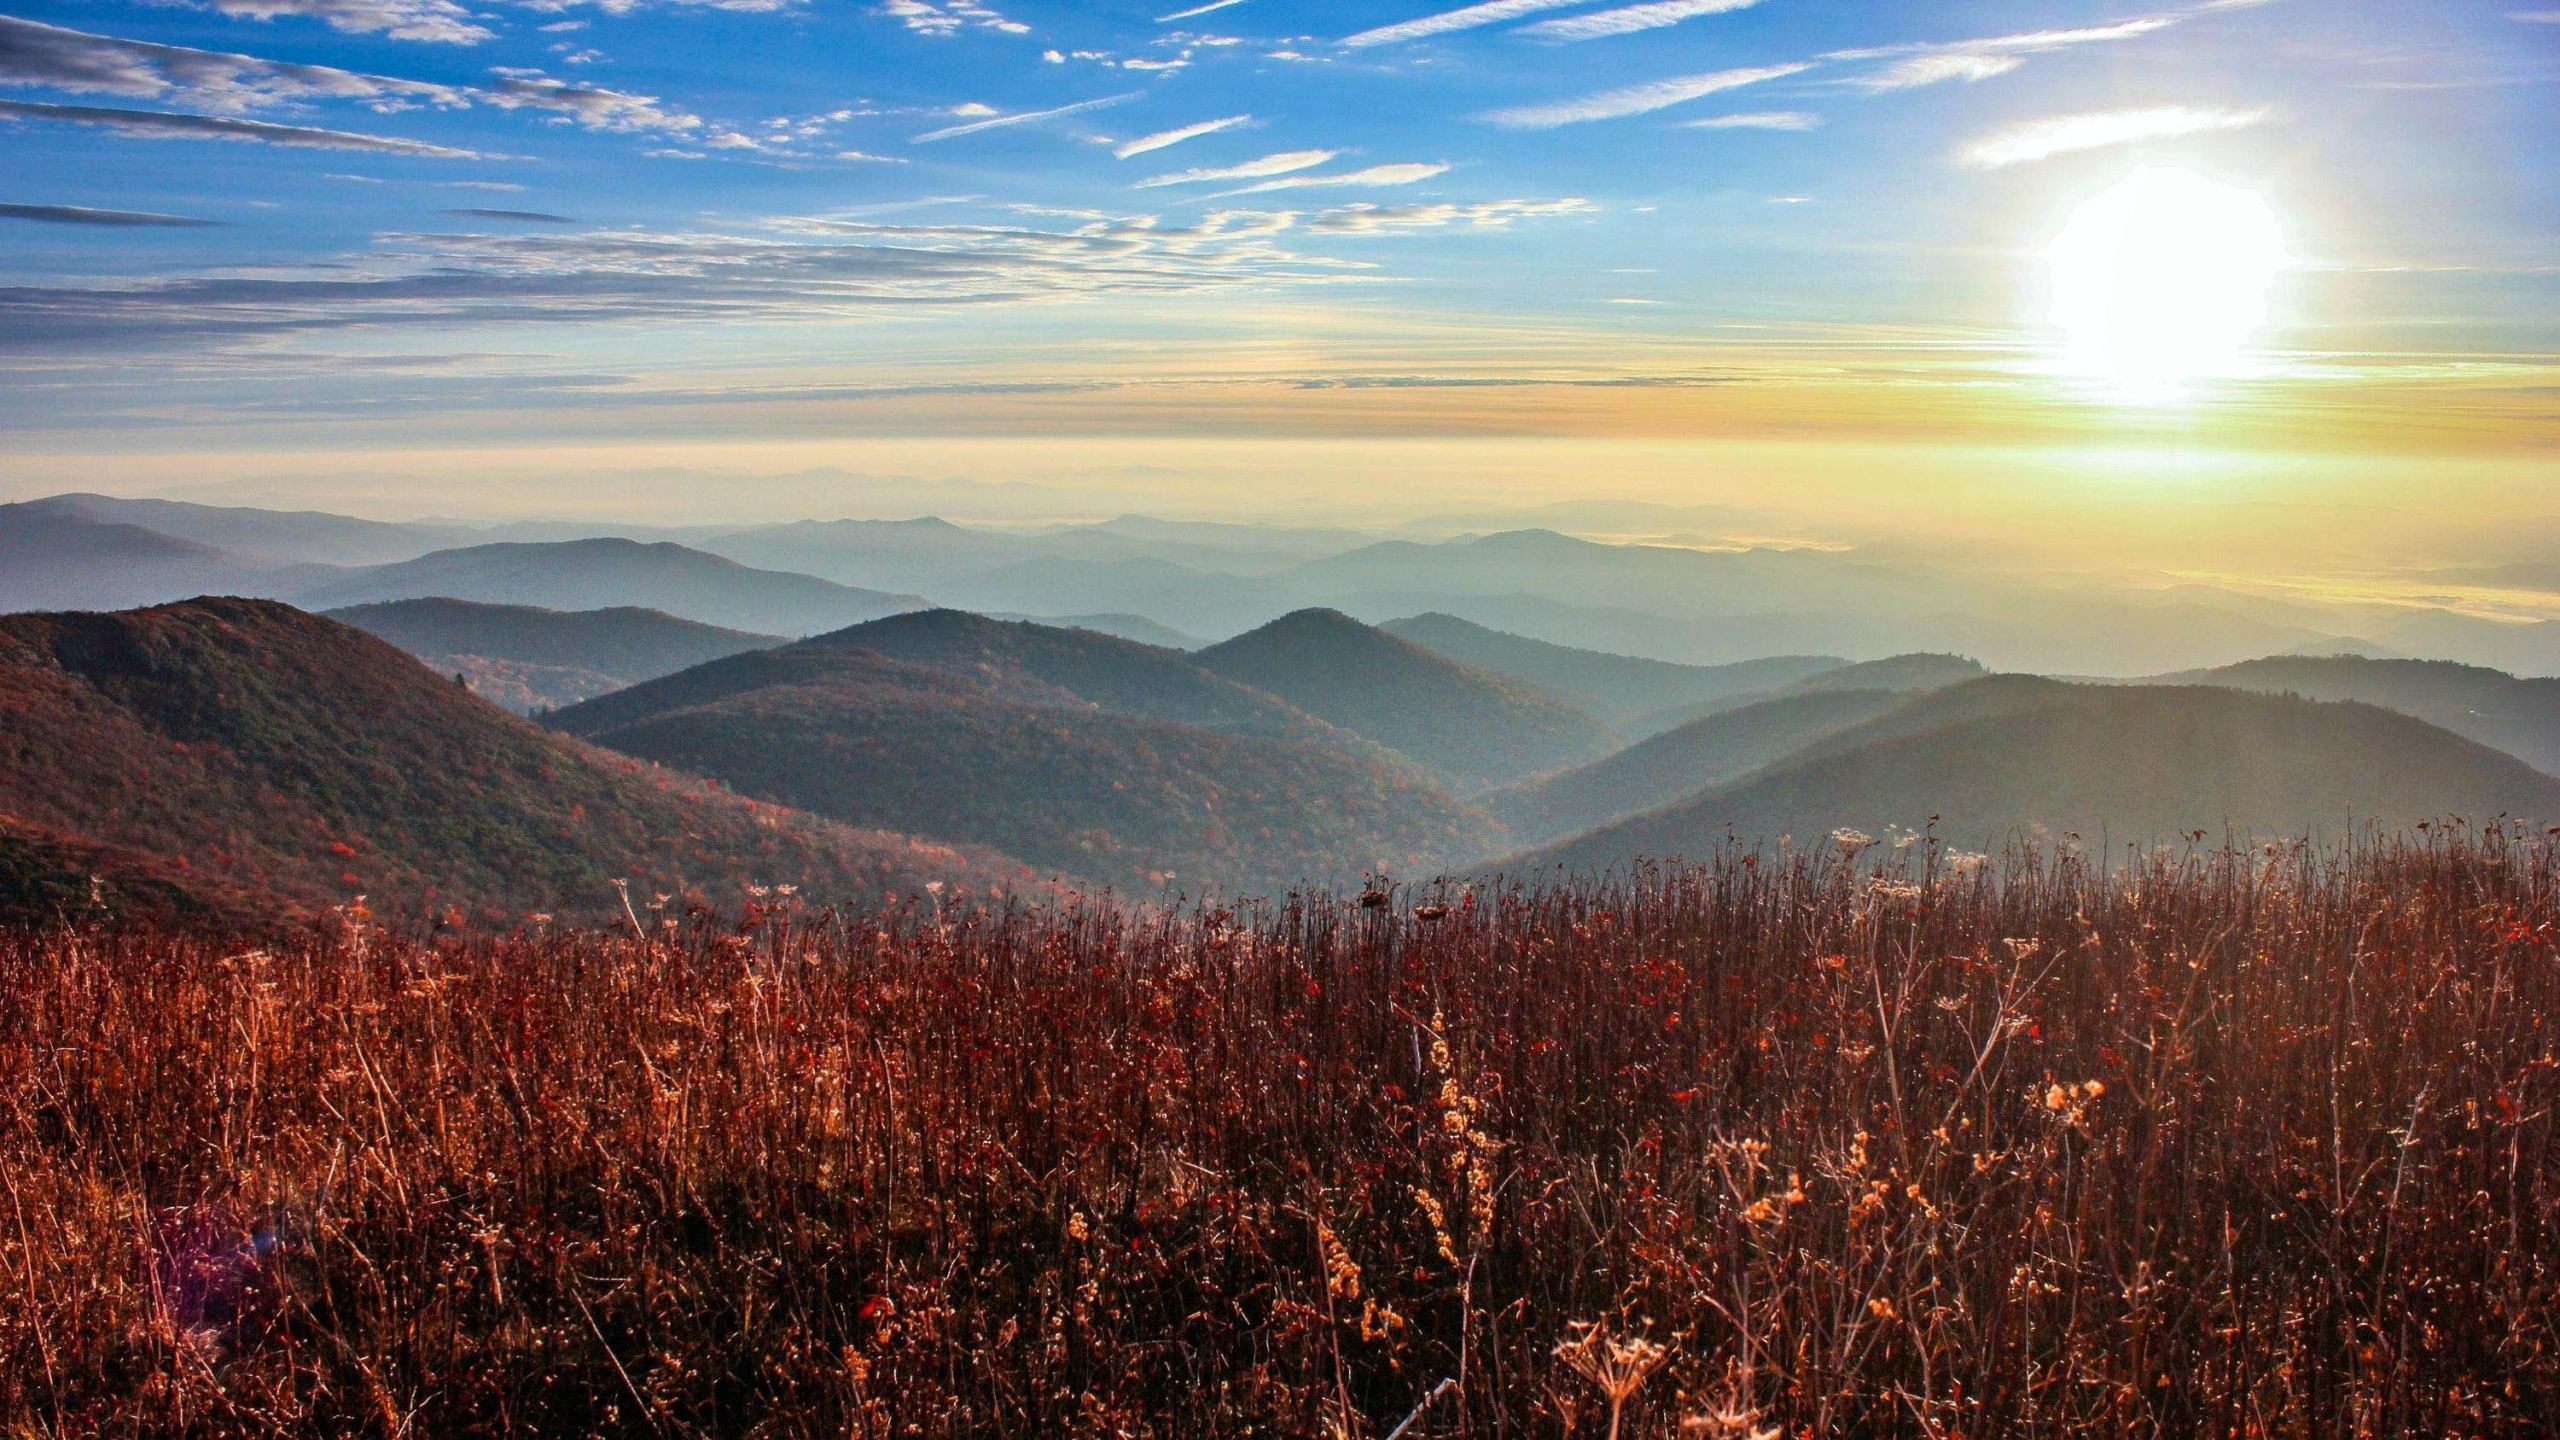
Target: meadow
{"x": 1838, "y": 1140}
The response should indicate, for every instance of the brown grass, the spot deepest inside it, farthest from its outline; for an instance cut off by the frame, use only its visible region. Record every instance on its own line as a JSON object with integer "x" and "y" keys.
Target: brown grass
{"x": 2232, "y": 1143}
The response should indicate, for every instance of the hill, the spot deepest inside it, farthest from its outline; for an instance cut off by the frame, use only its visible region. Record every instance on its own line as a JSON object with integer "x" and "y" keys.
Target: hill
{"x": 257, "y": 750}
{"x": 1704, "y": 752}
{"x": 601, "y": 574}
{"x": 1478, "y": 729}
{"x": 1620, "y": 689}
{"x": 2014, "y": 755}
{"x": 526, "y": 658}
{"x": 981, "y": 746}
{"x": 2521, "y": 717}
{"x": 1900, "y": 674}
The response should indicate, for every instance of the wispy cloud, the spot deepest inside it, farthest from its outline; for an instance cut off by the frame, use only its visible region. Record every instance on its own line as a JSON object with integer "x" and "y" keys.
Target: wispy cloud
{"x": 1493, "y": 12}
{"x": 167, "y": 125}
{"x": 1628, "y": 19}
{"x": 1760, "y": 120}
{"x": 1376, "y": 176}
{"x": 1163, "y": 139}
{"x": 1638, "y": 99}
{"x": 1196, "y": 10}
{"x": 2098, "y": 129}
{"x": 1028, "y": 117}
{"x": 949, "y": 17}
{"x": 1922, "y": 70}
{"x": 435, "y": 20}
{"x": 1367, "y": 219}
{"x": 109, "y": 219}
{"x": 1285, "y": 163}
{"x": 527, "y": 217}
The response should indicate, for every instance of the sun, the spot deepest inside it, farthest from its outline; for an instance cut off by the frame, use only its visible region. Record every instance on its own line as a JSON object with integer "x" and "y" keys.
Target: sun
{"x": 2163, "y": 280}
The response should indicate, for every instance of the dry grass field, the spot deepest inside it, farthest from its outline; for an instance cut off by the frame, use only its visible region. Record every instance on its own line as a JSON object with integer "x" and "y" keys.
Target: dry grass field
{"x": 1838, "y": 1142}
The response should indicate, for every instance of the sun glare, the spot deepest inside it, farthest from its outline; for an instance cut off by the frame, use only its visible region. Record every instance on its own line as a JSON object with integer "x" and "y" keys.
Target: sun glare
{"x": 2163, "y": 280}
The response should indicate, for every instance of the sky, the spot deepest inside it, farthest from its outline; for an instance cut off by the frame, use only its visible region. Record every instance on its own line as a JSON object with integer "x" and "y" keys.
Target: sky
{"x": 463, "y": 257}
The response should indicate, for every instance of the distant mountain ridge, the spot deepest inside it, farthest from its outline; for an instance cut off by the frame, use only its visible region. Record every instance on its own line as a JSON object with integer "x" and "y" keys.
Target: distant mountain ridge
{"x": 254, "y": 755}
{"x": 1478, "y": 729}
{"x": 1899, "y": 674}
{"x": 609, "y": 573}
{"x": 2013, "y": 756}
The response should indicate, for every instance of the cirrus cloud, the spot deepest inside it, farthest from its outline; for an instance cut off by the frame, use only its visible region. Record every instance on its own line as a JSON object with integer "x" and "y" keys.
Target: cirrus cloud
{"x": 2099, "y": 129}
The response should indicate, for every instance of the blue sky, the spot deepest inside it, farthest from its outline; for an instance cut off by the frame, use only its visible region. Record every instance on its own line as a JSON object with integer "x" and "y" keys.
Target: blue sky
{"x": 938, "y": 216}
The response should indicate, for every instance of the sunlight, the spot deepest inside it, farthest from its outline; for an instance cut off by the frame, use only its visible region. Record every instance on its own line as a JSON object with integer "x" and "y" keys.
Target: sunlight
{"x": 2163, "y": 280}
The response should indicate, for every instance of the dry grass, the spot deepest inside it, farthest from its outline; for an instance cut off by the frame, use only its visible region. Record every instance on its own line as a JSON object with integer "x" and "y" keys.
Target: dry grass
{"x": 2233, "y": 1144}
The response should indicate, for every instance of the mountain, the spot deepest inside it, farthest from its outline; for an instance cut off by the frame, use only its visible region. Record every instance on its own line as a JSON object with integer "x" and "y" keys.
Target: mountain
{"x": 605, "y": 573}
{"x": 1900, "y": 674}
{"x": 995, "y": 739}
{"x": 1702, "y": 753}
{"x": 2521, "y": 717}
{"x": 250, "y": 749}
{"x": 263, "y": 537}
{"x": 2013, "y": 755}
{"x": 527, "y": 658}
{"x": 1617, "y": 688}
{"x": 52, "y": 558}
{"x": 1476, "y": 728}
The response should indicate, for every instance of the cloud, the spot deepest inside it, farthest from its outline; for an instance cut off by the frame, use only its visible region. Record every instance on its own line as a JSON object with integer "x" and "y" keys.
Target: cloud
{"x": 435, "y": 20}
{"x": 165, "y": 125}
{"x": 1196, "y": 10}
{"x": 1029, "y": 117}
{"x": 807, "y": 269}
{"x": 2535, "y": 17}
{"x": 949, "y": 17}
{"x": 1162, "y": 139}
{"x": 33, "y": 53}
{"x": 1375, "y": 176}
{"x": 529, "y": 217}
{"x": 1366, "y": 219}
{"x": 1922, "y": 70}
{"x": 1637, "y": 99}
{"x": 595, "y": 108}
{"x": 110, "y": 219}
{"x": 1494, "y": 12}
{"x": 1933, "y": 64}
{"x": 60, "y": 59}
{"x": 2097, "y": 129}
{"x": 1286, "y": 162}
{"x": 1628, "y": 19}
{"x": 1759, "y": 120}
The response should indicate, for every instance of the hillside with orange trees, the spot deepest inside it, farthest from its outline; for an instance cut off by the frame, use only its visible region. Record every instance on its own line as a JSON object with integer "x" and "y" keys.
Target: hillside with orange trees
{"x": 251, "y": 750}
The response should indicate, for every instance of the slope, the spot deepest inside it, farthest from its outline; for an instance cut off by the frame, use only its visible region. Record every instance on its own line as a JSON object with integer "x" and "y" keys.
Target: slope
{"x": 270, "y": 752}
{"x": 1617, "y": 688}
{"x": 54, "y": 559}
{"x": 604, "y": 573}
{"x": 525, "y": 657}
{"x": 2012, "y": 756}
{"x": 1901, "y": 674}
{"x": 998, "y": 757}
{"x": 1478, "y": 729}
{"x": 2521, "y": 717}
{"x": 1704, "y": 752}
